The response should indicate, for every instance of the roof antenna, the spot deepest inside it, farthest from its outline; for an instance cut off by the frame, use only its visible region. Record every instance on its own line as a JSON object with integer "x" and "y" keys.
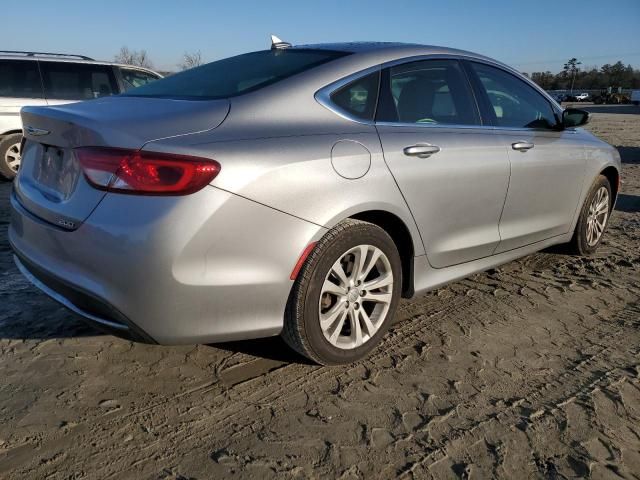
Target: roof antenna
{"x": 277, "y": 44}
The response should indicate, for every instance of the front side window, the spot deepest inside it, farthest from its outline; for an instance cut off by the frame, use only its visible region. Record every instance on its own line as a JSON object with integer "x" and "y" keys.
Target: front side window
{"x": 20, "y": 79}
{"x": 136, "y": 78}
{"x": 236, "y": 75}
{"x": 359, "y": 97}
{"x": 514, "y": 103}
{"x": 427, "y": 92}
{"x": 77, "y": 81}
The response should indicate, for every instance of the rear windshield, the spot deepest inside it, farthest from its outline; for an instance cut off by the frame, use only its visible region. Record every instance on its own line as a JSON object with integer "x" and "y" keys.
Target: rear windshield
{"x": 236, "y": 75}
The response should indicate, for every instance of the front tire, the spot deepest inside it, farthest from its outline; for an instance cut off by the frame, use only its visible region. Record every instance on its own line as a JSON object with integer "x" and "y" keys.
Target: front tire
{"x": 345, "y": 295}
{"x": 10, "y": 155}
{"x": 593, "y": 219}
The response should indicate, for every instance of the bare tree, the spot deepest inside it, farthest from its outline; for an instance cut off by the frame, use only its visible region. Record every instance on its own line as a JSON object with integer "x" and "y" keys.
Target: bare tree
{"x": 139, "y": 58}
{"x": 191, "y": 60}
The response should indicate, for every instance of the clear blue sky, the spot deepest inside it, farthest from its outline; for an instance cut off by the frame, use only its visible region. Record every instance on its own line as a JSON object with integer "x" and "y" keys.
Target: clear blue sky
{"x": 529, "y": 35}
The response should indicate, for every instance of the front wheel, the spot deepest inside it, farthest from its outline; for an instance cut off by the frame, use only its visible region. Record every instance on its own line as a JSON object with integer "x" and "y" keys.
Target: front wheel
{"x": 10, "y": 155}
{"x": 345, "y": 295}
{"x": 593, "y": 219}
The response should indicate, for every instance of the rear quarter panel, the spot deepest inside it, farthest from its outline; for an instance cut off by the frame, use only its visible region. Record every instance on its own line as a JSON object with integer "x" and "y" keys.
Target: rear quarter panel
{"x": 295, "y": 175}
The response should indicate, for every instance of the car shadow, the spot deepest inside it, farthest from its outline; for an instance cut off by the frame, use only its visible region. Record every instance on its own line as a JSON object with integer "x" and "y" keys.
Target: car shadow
{"x": 619, "y": 109}
{"x": 628, "y": 203}
{"x": 44, "y": 323}
{"x": 629, "y": 155}
{"x": 272, "y": 348}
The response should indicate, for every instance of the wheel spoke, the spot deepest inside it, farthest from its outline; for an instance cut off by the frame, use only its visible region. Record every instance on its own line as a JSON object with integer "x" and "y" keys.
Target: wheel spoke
{"x": 371, "y": 329}
{"x": 336, "y": 332}
{"x": 359, "y": 262}
{"x": 602, "y": 207}
{"x": 356, "y": 328}
{"x": 340, "y": 273}
{"x": 377, "y": 297}
{"x": 329, "y": 318}
{"x": 379, "y": 282}
{"x": 330, "y": 287}
{"x": 370, "y": 263}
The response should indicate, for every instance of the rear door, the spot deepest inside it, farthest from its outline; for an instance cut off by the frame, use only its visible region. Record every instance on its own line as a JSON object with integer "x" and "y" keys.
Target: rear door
{"x": 66, "y": 82}
{"x": 547, "y": 165}
{"x": 20, "y": 85}
{"x": 452, "y": 171}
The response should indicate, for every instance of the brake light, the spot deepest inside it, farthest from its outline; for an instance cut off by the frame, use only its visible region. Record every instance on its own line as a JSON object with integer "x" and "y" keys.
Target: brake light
{"x": 145, "y": 173}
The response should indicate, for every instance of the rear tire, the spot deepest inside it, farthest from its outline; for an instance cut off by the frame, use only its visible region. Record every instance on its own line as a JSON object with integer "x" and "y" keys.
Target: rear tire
{"x": 340, "y": 307}
{"x": 593, "y": 219}
{"x": 10, "y": 155}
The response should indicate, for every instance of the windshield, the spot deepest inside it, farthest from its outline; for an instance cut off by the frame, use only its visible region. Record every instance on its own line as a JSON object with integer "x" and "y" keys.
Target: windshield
{"x": 236, "y": 75}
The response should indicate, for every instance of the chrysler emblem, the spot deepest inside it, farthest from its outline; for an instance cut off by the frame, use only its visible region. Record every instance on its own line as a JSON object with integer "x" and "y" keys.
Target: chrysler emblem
{"x": 36, "y": 132}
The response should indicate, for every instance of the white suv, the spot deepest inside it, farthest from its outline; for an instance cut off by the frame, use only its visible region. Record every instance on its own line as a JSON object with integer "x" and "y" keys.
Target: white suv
{"x": 34, "y": 78}
{"x": 583, "y": 97}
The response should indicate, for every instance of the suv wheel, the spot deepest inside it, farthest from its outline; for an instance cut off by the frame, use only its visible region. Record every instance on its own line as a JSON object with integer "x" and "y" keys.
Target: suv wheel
{"x": 10, "y": 155}
{"x": 346, "y": 294}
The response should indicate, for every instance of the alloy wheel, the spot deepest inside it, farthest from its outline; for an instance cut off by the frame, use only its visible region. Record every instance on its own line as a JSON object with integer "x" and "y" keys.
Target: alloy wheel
{"x": 597, "y": 216}
{"x": 356, "y": 297}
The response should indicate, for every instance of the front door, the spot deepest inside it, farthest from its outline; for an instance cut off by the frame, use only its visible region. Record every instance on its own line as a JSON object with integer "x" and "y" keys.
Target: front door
{"x": 547, "y": 165}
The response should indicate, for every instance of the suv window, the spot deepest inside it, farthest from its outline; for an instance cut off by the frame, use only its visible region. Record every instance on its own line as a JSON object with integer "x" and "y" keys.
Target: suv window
{"x": 359, "y": 97}
{"x": 236, "y": 75}
{"x": 136, "y": 78}
{"x": 20, "y": 79}
{"x": 427, "y": 92}
{"x": 77, "y": 81}
{"x": 514, "y": 103}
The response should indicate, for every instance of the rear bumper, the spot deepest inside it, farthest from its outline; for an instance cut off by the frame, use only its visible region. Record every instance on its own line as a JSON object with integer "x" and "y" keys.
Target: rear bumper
{"x": 203, "y": 268}
{"x": 90, "y": 308}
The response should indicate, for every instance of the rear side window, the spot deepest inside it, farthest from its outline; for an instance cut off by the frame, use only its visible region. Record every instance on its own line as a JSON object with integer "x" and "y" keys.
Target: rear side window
{"x": 20, "y": 79}
{"x": 427, "y": 92}
{"x": 359, "y": 97}
{"x": 77, "y": 81}
{"x": 514, "y": 103}
{"x": 136, "y": 78}
{"x": 236, "y": 75}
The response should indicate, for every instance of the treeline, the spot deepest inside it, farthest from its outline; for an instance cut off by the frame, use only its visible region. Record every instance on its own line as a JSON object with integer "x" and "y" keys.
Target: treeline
{"x": 616, "y": 75}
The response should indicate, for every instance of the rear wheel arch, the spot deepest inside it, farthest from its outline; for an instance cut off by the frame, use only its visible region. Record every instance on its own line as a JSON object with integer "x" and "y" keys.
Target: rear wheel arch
{"x": 401, "y": 236}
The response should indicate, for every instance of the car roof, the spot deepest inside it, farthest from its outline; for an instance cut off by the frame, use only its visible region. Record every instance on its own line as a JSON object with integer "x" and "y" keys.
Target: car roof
{"x": 53, "y": 58}
{"x": 387, "y": 47}
{"x": 388, "y": 51}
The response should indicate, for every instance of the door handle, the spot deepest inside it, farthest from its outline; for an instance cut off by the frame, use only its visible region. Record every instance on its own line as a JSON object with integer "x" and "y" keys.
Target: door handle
{"x": 421, "y": 150}
{"x": 522, "y": 146}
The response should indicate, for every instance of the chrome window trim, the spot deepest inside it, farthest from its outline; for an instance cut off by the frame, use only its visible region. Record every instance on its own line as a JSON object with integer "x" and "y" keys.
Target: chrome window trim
{"x": 474, "y": 127}
{"x": 323, "y": 96}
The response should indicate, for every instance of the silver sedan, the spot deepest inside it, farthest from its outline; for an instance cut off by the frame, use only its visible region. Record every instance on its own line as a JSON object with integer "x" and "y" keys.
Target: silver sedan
{"x": 300, "y": 191}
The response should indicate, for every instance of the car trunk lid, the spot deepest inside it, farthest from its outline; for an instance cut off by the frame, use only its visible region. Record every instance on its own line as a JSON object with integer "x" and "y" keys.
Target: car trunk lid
{"x": 51, "y": 183}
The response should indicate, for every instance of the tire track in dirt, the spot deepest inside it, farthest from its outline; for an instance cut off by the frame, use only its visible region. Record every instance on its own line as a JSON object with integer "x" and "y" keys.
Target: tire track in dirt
{"x": 581, "y": 380}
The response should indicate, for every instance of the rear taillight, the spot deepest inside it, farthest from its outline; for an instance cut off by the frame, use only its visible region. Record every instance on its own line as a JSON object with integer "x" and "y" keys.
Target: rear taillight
{"x": 145, "y": 173}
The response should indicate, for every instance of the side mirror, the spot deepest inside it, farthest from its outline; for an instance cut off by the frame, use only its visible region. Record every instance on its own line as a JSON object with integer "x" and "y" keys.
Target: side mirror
{"x": 574, "y": 117}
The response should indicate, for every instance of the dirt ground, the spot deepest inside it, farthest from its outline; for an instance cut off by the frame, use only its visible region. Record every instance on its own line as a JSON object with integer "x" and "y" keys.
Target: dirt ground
{"x": 531, "y": 370}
